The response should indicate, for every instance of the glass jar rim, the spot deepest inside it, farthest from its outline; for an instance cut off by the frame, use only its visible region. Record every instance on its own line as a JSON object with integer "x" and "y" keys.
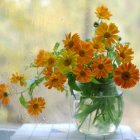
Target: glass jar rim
{"x": 120, "y": 93}
{"x": 109, "y": 82}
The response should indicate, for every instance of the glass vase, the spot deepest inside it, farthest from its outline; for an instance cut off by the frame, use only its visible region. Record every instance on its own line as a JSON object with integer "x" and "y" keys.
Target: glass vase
{"x": 98, "y": 108}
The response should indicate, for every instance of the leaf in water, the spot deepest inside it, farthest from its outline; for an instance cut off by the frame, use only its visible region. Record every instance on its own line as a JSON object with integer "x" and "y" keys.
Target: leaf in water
{"x": 86, "y": 89}
{"x": 85, "y": 110}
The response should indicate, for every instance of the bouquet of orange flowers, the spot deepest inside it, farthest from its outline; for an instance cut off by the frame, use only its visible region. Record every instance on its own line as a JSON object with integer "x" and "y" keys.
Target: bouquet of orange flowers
{"x": 83, "y": 65}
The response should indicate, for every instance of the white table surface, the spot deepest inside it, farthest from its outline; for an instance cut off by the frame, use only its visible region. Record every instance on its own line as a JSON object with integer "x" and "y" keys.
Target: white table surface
{"x": 65, "y": 132}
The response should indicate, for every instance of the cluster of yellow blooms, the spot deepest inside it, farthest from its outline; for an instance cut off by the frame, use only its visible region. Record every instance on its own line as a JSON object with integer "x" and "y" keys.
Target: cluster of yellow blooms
{"x": 102, "y": 57}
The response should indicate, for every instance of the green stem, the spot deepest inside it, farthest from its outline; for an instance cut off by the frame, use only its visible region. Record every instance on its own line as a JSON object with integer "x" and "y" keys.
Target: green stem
{"x": 96, "y": 115}
{"x": 114, "y": 61}
{"x": 23, "y": 91}
{"x": 85, "y": 118}
{"x": 72, "y": 93}
{"x": 89, "y": 121}
{"x": 111, "y": 115}
{"x": 82, "y": 123}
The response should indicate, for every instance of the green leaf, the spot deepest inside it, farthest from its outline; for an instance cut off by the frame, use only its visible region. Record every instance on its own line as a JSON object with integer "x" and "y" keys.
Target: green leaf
{"x": 56, "y": 46}
{"x": 55, "y": 49}
{"x": 72, "y": 93}
{"x": 34, "y": 85}
{"x": 87, "y": 89}
{"x": 85, "y": 110}
{"x": 23, "y": 101}
{"x": 118, "y": 61}
{"x": 87, "y": 39}
{"x": 104, "y": 40}
{"x": 32, "y": 65}
{"x": 72, "y": 82}
{"x": 96, "y": 55}
{"x": 111, "y": 54}
{"x": 115, "y": 66}
{"x": 94, "y": 80}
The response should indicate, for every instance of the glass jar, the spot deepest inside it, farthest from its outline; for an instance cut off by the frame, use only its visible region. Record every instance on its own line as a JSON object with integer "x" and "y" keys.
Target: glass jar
{"x": 98, "y": 108}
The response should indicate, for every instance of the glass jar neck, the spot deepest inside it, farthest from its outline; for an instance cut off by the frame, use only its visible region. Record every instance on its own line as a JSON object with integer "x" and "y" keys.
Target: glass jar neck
{"x": 93, "y": 90}
{"x": 105, "y": 89}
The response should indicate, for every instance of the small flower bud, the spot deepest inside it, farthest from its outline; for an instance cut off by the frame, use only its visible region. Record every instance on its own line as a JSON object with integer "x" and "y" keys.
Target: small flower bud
{"x": 96, "y": 24}
{"x": 120, "y": 38}
{"x": 5, "y": 94}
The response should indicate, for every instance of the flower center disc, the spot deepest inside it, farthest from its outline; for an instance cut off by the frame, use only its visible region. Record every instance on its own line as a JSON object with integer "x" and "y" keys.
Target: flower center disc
{"x": 70, "y": 44}
{"x": 35, "y": 106}
{"x": 5, "y": 94}
{"x": 82, "y": 53}
{"x": 96, "y": 46}
{"x": 100, "y": 66}
{"x": 82, "y": 73}
{"x": 107, "y": 35}
{"x": 67, "y": 62}
{"x": 122, "y": 55}
{"x": 54, "y": 80}
{"x": 125, "y": 76}
{"x": 51, "y": 61}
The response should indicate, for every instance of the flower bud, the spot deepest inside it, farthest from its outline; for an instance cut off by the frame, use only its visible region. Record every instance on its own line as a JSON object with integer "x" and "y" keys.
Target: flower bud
{"x": 120, "y": 38}
{"x": 96, "y": 24}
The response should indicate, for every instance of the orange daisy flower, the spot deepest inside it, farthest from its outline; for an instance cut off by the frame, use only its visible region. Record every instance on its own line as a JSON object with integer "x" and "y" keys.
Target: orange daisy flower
{"x": 83, "y": 74}
{"x": 18, "y": 78}
{"x": 4, "y": 94}
{"x": 56, "y": 80}
{"x": 108, "y": 33}
{"x": 47, "y": 72}
{"x": 126, "y": 75}
{"x": 84, "y": 51}
{"x": 50, "y": 60}
{"x": 45, "y": 58}
{"x": 101, "y": 66}
{"x": 71, "y": 41}
{"x": 42, "y": 56}
{"x": 97, "y": 45}
{"x": 124, "y": 53}
{"x": 35, "y": 106}
{"x": 102, "y": 12}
